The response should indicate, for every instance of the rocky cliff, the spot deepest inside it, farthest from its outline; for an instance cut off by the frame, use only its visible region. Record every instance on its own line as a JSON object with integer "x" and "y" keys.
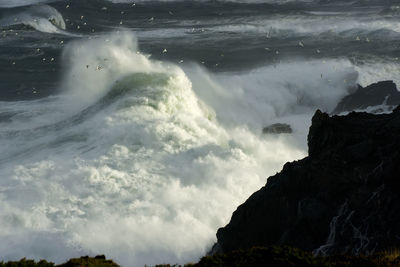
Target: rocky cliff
{"x": 380, "y": 95}
{"x": 343, "y": 197}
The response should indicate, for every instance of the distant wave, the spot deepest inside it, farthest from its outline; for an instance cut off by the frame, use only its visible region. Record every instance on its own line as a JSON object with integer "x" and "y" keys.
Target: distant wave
{"x": 18, "y": 3}
{"x": 232, "y": 1}
{"x": 43, "y": 18}
{"x": 262, "y": 1}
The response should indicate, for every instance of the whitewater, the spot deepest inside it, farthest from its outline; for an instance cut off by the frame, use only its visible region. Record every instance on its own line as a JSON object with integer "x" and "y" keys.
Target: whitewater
{"x": 134, "y": 128}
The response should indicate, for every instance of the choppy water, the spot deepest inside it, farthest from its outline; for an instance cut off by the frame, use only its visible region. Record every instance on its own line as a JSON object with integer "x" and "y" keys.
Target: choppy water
{"x": 133, "y": 129}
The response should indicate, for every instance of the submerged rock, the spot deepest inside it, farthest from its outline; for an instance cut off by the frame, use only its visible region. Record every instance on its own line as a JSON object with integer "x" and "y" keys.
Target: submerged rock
{"x": 277, "y": 128}
{"x": 343, "y": 198}
{"x": 376, "y": 94}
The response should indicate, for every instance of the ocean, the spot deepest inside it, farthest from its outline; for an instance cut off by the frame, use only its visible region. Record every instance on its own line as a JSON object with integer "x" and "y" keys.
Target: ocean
{"x": 134, "y": 128}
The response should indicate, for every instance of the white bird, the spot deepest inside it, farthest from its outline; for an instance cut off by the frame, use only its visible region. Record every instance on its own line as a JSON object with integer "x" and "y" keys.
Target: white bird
{"x": 165, "y": 50}
{"x": 269, "y": 33}
{"x": 301, "y": 44}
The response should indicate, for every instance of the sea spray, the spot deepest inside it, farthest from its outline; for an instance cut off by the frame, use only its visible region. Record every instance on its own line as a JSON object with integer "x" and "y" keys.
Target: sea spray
{"x": 108, "y": 150}
{"x": 143, "y": 160}
{"x": 257, "y": 97}
{"x": 135, "y": 165}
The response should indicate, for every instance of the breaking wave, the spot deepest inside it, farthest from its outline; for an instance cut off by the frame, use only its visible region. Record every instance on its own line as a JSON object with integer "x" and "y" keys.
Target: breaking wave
{"x": 128, "y": 161}
{"x": 42, "y": 18}
{"x": 144, "y": 160}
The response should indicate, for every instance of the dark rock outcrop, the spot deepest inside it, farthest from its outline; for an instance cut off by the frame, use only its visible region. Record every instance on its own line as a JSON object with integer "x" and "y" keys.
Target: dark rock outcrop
{"x": 376, "y": 94}
{"x": 343, "y": 198}
{"x": 277, "y": 128}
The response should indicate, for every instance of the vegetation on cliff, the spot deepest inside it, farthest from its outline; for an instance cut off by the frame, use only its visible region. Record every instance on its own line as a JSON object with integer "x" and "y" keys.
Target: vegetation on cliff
{"x": 275, "y": 256}
{"x": 285, "y": 256}
{"x": 98, "y": 261}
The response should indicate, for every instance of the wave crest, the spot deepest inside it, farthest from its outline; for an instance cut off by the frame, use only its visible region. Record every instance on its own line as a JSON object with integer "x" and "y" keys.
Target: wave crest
{"x": 42, "y": 18}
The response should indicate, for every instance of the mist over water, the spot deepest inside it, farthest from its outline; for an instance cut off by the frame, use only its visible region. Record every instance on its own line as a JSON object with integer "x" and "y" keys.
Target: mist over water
{"x": 136, "y": 130}
{"x": 140, "y": 162}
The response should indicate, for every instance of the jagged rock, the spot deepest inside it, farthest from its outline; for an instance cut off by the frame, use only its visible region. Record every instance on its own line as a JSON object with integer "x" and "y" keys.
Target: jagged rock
{"x": 376, "y": 94}
{"x": 277, "y": 128}
{"x": 343, "y": 197}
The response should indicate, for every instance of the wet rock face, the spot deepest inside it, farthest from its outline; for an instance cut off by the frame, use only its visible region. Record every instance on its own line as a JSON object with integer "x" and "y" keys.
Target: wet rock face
{"x": 343, "y": 197}
{"x": 277, "y": 128}
{"x": 376, "y": 94}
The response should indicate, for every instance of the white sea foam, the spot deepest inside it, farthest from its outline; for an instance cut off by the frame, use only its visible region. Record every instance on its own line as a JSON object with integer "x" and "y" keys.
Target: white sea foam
{"x": 142, "y": 160}
{"x": 299, "y": 24}
{"x": 343, "y": 25}
{"x": 146, "y": 177}
{"x": 379, "y": 71}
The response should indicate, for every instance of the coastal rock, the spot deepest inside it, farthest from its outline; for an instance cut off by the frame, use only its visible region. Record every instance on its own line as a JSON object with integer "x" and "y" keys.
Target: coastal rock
{"x": 376, "y": 94}
{"x": 343, "y": 198}
{"x": 277, "y": 128}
